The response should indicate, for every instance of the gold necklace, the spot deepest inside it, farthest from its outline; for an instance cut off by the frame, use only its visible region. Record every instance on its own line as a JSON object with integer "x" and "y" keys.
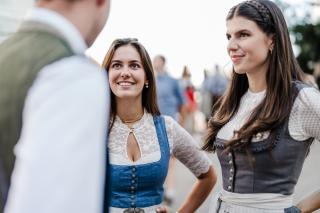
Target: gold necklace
{"x": 133, "y": 120}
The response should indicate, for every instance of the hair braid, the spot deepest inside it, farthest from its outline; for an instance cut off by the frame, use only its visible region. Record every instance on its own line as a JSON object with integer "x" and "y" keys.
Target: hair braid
{"x": 262, "y": 10}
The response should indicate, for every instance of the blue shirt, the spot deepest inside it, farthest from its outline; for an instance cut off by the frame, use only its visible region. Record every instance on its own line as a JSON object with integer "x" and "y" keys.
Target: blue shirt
{"x": 169, "y": 95}
{"x": 217, "y": 84}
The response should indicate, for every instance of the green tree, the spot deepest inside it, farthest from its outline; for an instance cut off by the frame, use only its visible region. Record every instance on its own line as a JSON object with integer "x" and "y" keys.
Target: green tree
{"x": 307, "y": 38}
{"x": 305, "y": 34}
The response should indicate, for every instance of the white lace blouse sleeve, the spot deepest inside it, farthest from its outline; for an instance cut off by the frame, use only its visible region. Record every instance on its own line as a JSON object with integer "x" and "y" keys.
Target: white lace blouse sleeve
{"x": 185, "y": 148}
{"x": 304, "y": 120}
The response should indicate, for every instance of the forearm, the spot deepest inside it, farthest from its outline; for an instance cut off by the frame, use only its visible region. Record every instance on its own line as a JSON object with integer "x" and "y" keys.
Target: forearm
{"x": 200, "y": 192}
{"x": 310, "y": 203}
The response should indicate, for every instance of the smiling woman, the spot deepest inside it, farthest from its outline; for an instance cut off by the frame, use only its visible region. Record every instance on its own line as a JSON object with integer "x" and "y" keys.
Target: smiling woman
{"x": 261, "y": 142}
{"x": 126, "y": 75}
{"x": 248, "y": 46}
{"x": 141, "y": 140}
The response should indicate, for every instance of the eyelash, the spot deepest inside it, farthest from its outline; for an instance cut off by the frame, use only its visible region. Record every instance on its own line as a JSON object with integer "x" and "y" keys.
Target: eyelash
{"x": 115, "y": 66}
{"x": 241, "y": 35}
{"x": 244, "y": 34}
{"x": 135, "y": 66}
{"x": 118, "y": 66}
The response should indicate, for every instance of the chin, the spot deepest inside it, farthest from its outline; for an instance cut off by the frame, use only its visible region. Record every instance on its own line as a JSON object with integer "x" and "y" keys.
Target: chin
{"x": 126, "y": 96}
{"x": 239, "y": 70}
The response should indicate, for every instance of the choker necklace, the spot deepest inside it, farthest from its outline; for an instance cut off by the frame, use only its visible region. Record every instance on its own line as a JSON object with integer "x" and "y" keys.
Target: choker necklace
{"x": 133, "y": 120}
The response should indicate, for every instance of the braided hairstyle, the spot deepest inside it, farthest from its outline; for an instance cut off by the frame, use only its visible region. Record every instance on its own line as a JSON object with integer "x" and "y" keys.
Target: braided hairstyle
{"x": 283, "y": 68}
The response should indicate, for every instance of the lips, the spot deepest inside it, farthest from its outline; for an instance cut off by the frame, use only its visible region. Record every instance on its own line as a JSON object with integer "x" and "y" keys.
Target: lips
{"x": 236, "y": 58}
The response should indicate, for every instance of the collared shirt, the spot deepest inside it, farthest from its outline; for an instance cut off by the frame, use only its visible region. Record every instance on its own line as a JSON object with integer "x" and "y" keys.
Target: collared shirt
{"x": 169, "y": 95}
{"x": 61, "y": 154}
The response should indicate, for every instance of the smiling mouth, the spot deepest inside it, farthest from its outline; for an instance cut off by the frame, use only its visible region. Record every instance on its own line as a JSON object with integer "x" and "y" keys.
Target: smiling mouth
{"x": 236, "y": 59}
{"x": 125, "y": 84}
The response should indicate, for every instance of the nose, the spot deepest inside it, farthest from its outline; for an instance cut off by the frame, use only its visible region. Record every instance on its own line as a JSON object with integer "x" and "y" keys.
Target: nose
{"x": 232, "y": 45}
{"x": 125, "y": 73}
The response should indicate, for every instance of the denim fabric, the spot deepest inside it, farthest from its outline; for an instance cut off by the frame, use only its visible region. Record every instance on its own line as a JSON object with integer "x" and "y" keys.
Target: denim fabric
{"x": 292, "y": 209}
{"x": 141, "y": 186}
{"x": 169, "y": 95}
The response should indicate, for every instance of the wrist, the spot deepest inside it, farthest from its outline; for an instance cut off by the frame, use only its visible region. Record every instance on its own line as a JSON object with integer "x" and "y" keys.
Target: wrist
{"x": 302, "y": 210}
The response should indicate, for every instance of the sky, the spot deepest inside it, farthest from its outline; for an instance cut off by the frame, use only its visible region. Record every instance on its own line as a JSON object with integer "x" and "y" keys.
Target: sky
{"x": 186, "y": 32}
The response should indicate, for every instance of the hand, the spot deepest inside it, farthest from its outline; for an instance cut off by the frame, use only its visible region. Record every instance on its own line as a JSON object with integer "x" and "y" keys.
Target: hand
{"x": 162, "y": 209}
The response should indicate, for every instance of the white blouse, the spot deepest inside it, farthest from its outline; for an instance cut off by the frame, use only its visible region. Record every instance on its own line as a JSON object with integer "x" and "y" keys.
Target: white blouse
{"x": 304, "y": 117}
{"x": 304, "y": 122}
{"x": 181, "y": 143}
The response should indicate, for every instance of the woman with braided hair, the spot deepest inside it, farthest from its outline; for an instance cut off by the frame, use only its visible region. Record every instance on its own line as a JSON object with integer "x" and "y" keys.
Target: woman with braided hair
{"x": 264, "y": 124}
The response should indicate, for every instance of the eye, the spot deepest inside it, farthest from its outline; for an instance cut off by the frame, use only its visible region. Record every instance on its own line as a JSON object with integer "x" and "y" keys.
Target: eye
{"x": 228, "y": 36}
{"x": 116, "y": 66}
{"x": 244, "y": 35}
{"x": 135, "y": 66}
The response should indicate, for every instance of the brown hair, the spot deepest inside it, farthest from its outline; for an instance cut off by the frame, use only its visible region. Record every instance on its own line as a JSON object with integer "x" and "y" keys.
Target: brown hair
{"x": 149, "y": 101}
{"x": 283, "y": 69}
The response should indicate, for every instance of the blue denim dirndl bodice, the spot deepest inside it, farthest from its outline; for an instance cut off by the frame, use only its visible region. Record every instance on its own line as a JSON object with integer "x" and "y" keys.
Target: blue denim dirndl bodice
{"x": 139, "y": 186}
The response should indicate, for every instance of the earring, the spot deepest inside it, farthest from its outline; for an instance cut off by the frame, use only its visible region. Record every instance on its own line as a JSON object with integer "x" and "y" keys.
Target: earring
{"x": 271, "y": 49}
{"x": 147, "y": 85}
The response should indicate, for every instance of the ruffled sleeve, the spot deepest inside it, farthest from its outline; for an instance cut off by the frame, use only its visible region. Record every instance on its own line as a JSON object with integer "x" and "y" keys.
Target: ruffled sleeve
{"x": 186, "y": 149}
{"x": 304, "y": 120}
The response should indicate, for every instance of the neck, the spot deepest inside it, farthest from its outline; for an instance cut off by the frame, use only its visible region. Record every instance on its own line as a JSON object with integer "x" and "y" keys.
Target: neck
{"x": 257, "y": 81}
{"x": 129, "y": 111}
{"x": 71, "y": 10}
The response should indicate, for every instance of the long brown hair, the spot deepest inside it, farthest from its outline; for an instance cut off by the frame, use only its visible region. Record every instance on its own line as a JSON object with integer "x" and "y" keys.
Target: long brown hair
{"x": 282, "y": 70}
{"x": 149, "y": 101}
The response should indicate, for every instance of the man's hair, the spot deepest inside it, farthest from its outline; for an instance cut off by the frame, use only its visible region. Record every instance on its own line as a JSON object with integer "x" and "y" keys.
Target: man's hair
{"x": 162, "y": 58}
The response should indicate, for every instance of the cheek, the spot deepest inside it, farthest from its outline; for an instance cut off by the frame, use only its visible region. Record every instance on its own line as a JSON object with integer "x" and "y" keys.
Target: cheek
{"x": 112, "y": 79}
{"x": 261, "y": 53}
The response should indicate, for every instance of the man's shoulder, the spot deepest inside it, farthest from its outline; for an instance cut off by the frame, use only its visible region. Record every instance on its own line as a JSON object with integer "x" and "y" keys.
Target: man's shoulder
{"x": 74, "y": 67}
{"x": 81, "y": 62}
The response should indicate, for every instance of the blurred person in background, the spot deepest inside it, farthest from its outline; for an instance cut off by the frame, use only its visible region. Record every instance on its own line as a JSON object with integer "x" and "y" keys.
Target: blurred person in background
{"x": 206, "y": 98}
{"x": 218, "y": 83}
{"x": 172, "y": 103}
{"x": 53, "y": 111}
{"x": 141, "y": 140}
{"x": 188, "y": 90}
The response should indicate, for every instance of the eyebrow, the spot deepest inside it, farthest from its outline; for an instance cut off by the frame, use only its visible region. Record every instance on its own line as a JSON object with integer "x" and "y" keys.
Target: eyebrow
{"x": 240, "y": 31}
{"x": 113, "y": 61}
{"x": 132, "y": 61}
{"x": 136, "y": 61}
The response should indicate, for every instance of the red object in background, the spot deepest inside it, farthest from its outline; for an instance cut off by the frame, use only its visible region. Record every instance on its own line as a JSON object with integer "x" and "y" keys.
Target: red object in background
{"x": 191, "y": 102}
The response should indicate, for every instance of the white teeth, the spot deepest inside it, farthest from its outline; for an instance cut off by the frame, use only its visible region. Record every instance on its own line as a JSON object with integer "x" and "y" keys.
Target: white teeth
{"x": 125, "y": 84}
